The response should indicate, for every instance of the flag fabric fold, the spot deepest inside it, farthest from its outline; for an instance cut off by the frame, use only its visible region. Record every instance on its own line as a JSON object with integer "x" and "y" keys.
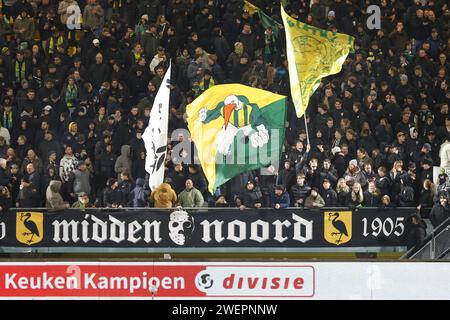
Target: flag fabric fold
{"x": 235, "y": 129}
{"x": 312, "y": 54}
{"x": 155, "y": 135}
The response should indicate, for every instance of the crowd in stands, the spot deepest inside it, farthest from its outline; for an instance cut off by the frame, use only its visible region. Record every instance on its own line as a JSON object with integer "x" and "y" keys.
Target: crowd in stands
{"x": 74, "y": 103}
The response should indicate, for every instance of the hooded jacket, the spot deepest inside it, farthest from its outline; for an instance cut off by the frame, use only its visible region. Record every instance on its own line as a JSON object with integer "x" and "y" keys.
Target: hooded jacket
{"x": 138, "y": 196}
{"x": 163, "y": 196}
{"x": 54, "y": 199}
{"x": 123, "y": 161}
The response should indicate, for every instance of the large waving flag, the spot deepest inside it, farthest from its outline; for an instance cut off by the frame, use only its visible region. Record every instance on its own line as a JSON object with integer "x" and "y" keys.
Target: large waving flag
{"x": 236, "y": 129}
{"x": 155, "y": 135}
{"x": 312, "y": 54}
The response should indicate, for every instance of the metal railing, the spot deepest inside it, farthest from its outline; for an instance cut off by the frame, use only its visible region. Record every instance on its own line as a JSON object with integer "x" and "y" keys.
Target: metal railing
{"x": 435, "y": 247}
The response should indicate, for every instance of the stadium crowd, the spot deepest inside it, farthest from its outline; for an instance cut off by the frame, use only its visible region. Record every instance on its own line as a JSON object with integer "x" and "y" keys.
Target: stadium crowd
{"x": 74, "y": 103}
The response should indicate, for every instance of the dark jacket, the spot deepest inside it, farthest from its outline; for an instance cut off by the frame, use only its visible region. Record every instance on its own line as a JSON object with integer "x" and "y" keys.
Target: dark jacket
{"x": 251, "y": 197}
{"x": 439, "y": 214}
{"x": 330, "y": 197}
{"x": 300, "y": 193}
{"x": 111, "y": 197}
{"x": 284, "y": 200}
{"x": 416, "y": 235}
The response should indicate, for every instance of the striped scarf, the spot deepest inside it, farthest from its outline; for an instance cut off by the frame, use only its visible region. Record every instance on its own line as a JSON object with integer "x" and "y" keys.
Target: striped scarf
{"x": 7, "y": 120}
{"x": 20, "y": 71}
{"x": 71, "y": 94}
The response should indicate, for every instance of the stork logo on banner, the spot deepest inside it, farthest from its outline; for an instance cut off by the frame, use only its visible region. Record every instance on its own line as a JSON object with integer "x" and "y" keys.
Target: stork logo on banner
{"x": 29, "y": 227}
{"x": 337, "y": 227}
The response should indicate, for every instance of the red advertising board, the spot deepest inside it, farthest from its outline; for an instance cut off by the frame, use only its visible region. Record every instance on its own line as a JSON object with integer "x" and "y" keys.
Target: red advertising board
{"x": 155, "y": 280}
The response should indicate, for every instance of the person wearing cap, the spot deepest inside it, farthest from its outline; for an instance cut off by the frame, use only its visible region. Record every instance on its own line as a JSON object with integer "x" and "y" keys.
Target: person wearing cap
{"x": 252, "y": 196}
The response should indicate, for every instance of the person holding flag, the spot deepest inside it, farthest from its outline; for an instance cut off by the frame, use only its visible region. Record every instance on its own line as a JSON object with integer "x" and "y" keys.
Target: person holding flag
{"x": 155, "y": 135}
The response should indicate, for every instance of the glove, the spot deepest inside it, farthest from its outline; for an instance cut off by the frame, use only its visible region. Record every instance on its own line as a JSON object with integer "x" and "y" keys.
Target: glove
{"x": 202, "y": 114}
{"x": 259, "y": 138}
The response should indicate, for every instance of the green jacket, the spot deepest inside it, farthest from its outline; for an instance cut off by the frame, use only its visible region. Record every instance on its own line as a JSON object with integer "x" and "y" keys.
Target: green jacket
{"x": 191, "y": 198}
{"x": 149, "y": 43}
{"x": 27, "y": 25}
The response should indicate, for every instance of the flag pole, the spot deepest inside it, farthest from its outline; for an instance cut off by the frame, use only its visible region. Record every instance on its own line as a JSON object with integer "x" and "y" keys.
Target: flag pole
{"x": 306, "y": 128}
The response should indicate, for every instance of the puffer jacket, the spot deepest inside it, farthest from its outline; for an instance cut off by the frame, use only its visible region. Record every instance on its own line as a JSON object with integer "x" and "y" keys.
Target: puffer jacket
{"x": 54, "y": 199}
{"x": 163, "y": 196}
{"x": 251, "y": 197}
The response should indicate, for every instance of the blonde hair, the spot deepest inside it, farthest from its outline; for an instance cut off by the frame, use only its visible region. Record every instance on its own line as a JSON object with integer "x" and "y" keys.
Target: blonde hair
{"x": 342, "y": 186}
{"x": 359, "y": 197}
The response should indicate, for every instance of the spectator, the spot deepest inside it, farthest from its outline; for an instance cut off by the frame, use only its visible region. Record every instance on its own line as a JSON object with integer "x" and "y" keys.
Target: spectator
{"x": 300, "y": 191}
{"x": 54, "y": 198}
{"x": 138, "y": 196}
{"x": 221, "y": 202}
{"x": 83, "y": 202}
{"x": 286, "y": 176}
{"x": 280, "y": 198}
{"x": 112, "y": 196}
{"x": 386, "y": 202}
{"x": 372, "y": 196}
{"x": 252, "y": 196}
{"x": 314, "y": 200}
{"x": 356, "y": 196}
{"x": 382, "y": 182}
{"x": 124, "y": 161}
{"x": 440, "y": 211}
{"x": 343, "y": 193}
{"x": 163, "y": 196}
{"x": 329, "y": 195}
{"x": 5, "y": 199}
{"x": 29, "y": 197}
{"x": 190, "y": 197}
{"x": 354, "y": 175}
{"x": 417, "y": 232}
{"x": 81, "y": 179}
{"x": 406, "y": 196}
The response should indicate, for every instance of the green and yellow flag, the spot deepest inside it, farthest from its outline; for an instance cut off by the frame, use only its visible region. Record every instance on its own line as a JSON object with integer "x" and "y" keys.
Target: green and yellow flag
{"x": 236, "y": 128}
{"x": 266, "y": 21}
{"x": 312, "y": 54}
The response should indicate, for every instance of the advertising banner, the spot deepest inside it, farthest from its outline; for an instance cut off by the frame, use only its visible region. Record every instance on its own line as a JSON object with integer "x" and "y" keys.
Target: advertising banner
{"x": 224, "y": 280}
{"x": 177, "y": 228}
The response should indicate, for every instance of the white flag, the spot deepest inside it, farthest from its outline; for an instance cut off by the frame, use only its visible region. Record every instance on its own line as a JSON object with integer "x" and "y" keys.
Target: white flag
{"x": 155, "y": 135}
